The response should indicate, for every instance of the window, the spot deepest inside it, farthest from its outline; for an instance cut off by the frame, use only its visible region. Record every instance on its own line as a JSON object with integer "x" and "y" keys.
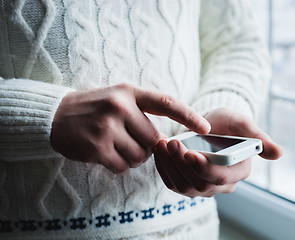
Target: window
{"x": 279, "y": 176}
{"x": 264, "y": 204}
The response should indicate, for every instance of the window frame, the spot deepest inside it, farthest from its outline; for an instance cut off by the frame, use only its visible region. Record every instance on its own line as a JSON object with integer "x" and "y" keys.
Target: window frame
{"x": 258, "y": 211}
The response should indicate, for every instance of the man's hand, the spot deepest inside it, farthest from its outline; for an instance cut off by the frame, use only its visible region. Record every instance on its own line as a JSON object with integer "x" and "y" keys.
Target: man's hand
{"x": 108, "y": 125}
{"x": 191, "y": 174}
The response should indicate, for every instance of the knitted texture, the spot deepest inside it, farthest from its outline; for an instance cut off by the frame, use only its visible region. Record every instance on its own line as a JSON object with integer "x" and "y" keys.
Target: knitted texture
{"x": 206, "y": 53}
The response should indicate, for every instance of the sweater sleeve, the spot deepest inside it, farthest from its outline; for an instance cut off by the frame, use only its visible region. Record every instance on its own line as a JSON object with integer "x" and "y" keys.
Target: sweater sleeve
{"x": 235, "y": 65}
{"x": 27, "y": 109}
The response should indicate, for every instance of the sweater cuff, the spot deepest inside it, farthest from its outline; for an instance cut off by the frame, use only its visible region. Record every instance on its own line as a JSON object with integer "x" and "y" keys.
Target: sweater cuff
{"x": 223, "y": 98}
{"x": 27, "y": 110}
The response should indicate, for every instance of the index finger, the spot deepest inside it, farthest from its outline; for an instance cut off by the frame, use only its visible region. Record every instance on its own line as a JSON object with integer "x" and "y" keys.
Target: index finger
{"x": 165, "y": 105}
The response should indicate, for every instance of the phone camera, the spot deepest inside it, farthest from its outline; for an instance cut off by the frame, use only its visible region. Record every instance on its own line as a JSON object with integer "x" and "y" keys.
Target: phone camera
{"x": 257, "y": 148}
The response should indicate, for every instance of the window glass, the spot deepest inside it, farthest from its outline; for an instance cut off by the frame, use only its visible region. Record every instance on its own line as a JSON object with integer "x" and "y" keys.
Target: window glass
{"x": 277, "y": 22}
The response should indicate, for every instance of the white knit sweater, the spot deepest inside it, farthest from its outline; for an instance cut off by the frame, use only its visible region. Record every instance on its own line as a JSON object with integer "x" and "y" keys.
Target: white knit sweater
{"x": 206, "y": 53}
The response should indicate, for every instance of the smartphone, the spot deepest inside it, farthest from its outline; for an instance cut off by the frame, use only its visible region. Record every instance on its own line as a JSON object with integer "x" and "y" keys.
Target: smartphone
{"x": 221, "y": 149}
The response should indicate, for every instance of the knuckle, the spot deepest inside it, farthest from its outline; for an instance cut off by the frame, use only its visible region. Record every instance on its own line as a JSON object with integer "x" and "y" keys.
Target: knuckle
{"x": 120, "y": 171}
{"x": 167, "y": 100}
{"x": 108, "y": 124}
{"x": 155, "y": 138}
{"x": 125, "y": 86}
{"x": 116, "y": 104}
{"x": 140, "y": 156}
{"x": 119, "y": 168}
{"x": 221, "y": 180}
{"x": 204, "y": 187}
{"x": 100, "y": 156}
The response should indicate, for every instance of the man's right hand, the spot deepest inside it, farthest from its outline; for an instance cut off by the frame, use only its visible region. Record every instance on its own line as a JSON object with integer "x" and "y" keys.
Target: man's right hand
{"x": 108, "y": 125}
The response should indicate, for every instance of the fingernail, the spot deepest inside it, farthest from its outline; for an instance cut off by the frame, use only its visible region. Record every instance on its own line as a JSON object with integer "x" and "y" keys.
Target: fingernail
{"x": 173, "y": 146}
{"x": 161, "y": 145}
{"x": 205, "y": 126}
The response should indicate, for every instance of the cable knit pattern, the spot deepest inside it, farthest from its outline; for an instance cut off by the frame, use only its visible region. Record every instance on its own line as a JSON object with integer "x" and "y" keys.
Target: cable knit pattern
{"x": 117, "y": 42}
{"x": 145, "y": 51}
{"x": 102, "y": 181}
{"x": 37, "y": 39}
{"x": 83, "y": 46}
{"x": 55, "y": 176}
{"x": 172, "y": 21}
{"x": 138, "y": 192}
{"x": 207, "y": 53}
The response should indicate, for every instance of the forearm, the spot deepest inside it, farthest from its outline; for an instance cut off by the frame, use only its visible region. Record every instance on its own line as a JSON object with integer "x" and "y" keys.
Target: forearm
{"x": 27, "y": 109}
{"x": 235, "y": 64}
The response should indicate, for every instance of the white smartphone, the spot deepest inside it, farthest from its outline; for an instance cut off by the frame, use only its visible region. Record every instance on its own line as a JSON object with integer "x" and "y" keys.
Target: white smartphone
{"x": 221, "y": 149}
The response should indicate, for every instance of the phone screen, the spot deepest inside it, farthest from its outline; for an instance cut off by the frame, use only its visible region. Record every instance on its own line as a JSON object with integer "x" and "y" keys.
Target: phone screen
{"x": 209, "y": 143}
